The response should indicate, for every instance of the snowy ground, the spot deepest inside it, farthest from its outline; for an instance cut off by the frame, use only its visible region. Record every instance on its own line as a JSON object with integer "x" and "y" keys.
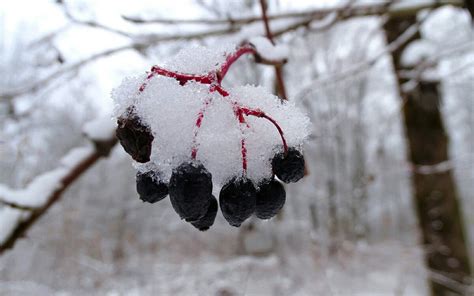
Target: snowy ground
{"x": 383, "y": 269}
{"x": 101, "y": 240}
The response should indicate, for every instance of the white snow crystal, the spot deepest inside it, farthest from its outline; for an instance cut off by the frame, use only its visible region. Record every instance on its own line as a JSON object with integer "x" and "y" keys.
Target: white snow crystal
{"x": 198, "y": 59}
{"x": 171, "y": 111}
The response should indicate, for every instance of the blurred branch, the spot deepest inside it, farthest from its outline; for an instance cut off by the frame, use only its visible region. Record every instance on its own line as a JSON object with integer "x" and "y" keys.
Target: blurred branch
{"x": 450, "y": 283}
{"x": 48, "y": 37}
{"x": 140, "y": 42}
{"x": 414, "y": 76}
{"x": 40, "y": 83}
{"x": 91, "y": 23}
{"x": 27, "y": 215}
{"x": 268, "y": 33}
{"x": 359, "y": 67}
{"x": 353, "y": 11}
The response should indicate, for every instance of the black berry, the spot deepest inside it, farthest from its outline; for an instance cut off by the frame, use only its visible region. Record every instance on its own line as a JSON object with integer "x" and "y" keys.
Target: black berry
{"x": 271, "y": 197}
{"x": 206, "y": 222}
{"x": 150, "y": 188}
{"x": 237, "y": 200}
{"x": 190, "y": 191}
{"x": 135, "y": 137}
{"x": 289, "y": 168}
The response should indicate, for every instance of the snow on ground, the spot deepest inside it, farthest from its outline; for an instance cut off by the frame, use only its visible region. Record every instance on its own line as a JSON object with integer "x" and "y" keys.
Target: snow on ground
{"x": 301, "y": 274}
{"x": 382, "y": 269}
{"x": 110, "y": 243}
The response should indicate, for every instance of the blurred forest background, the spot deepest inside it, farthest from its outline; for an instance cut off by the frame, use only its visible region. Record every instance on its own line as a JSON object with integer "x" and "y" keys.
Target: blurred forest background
{"x": 386, "y": 208}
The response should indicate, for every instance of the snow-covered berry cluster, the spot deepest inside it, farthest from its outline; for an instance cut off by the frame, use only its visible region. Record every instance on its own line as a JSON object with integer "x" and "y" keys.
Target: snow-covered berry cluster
{"x": 186, "y": 133}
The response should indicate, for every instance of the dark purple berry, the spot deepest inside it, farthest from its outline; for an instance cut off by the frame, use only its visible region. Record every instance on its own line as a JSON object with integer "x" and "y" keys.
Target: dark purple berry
{"x": 289, "y": 168}
{"x": 237, "y": 200}
{"x": 206, "y": 222}
{"x": 135, "y": 137}
{"x": 271, "y": 197}
{"x": 150, "y": 188}
{"x": 190, "y": 191}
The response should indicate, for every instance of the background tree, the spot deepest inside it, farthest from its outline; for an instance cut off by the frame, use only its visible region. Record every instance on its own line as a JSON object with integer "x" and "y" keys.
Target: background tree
{"x": 435, "y": 191}
{"x": 349, "y": 227}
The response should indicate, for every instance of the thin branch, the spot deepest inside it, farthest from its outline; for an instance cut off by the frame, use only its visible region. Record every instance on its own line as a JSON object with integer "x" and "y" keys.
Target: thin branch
{"x": 145, "y": 41}
{"x": 91, "y": 23}
{"x": 414, "y": 75}
{"x": 356, "y": 10}
{"x": 40, "y": 83}
{"x": 359, "y": 67}
{"x": 450, "y": 283}
{"x": 278, "y": 69}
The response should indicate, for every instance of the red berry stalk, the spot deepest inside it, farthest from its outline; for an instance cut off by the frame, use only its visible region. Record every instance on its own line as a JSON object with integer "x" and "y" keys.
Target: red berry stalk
{"x": 214, "y": 79}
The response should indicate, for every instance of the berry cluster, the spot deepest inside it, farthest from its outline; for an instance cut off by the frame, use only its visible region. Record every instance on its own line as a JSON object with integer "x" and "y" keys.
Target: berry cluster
{"x": 190, "y": 184}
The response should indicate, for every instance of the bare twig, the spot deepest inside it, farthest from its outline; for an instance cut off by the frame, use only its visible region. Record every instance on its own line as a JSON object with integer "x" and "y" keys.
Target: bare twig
{"x": 145, "y": 41}
{"x": 91, "y": 23}
{"x": 318, "y": 13}
{"x": 365, "y": 65}
{"x": 140, "y": 43}
{"x": 278, "y": 70}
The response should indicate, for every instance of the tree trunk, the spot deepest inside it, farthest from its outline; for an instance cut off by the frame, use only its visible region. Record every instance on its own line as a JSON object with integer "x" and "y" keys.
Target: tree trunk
{"x": 469, "y": 4}
{"x": 435, "y": 194}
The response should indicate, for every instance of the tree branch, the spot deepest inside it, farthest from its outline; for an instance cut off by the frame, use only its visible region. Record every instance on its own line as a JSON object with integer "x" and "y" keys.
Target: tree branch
{"x": 278, "y": 70}
{"x": 365, "y": 65}
{"x": 29, "y": 215}
{"x": 91, "y": 23}
{"x": 144, "y": 41}
{"x": 318, "y": 13}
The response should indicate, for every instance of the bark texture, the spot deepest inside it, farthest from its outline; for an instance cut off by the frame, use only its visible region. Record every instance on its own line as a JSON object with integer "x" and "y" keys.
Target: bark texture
{"x": 435, "y": 194}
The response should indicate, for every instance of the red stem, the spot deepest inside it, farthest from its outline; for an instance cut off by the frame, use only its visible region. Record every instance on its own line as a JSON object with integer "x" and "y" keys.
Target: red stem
{"x": 181, "y": 77}
{"x": 220, "y": 90}
{"x": 198, "y": 126}
{"x": 215, "y": 78}
{"x": 211, "y": 77}
{"x": 232, "y": 58}
{"x": 239, "y": 114}
{"x": 260, "y": 114}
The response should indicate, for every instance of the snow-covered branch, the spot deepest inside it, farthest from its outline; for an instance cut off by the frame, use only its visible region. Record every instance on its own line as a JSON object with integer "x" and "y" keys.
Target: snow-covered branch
{"x": 23, "y": 207}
